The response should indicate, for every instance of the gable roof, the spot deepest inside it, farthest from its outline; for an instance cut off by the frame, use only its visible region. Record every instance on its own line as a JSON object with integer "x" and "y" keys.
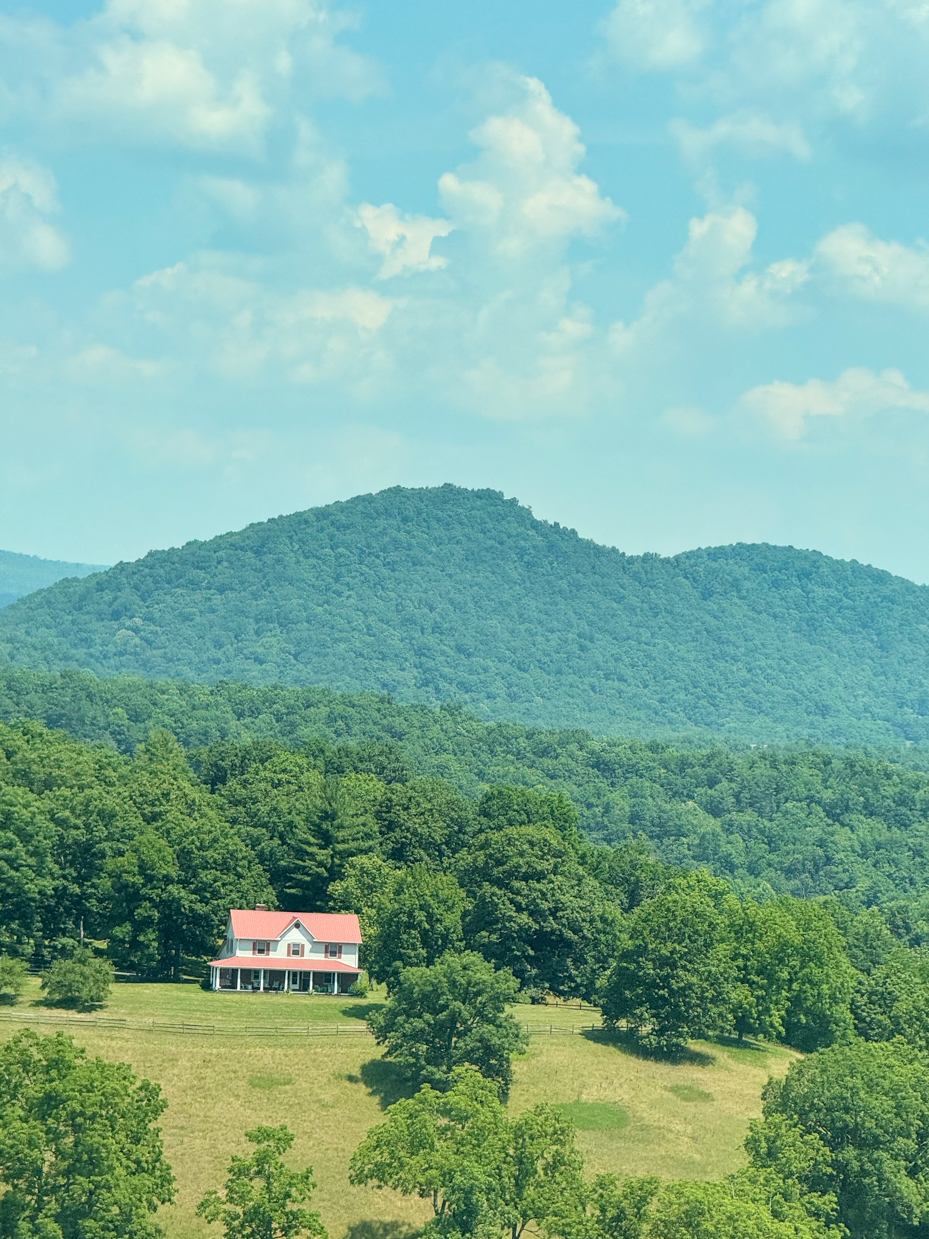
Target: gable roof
{"x": 324, "y": 926}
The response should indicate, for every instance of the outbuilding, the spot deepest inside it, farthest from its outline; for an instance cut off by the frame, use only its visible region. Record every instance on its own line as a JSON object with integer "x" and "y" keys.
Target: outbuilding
{"x": 293, "y": 952}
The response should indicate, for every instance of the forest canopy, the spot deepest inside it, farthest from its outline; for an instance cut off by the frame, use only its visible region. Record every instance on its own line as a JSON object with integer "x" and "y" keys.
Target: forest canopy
{"x": 446, "y": 594}
{"x": 802, "y": 821}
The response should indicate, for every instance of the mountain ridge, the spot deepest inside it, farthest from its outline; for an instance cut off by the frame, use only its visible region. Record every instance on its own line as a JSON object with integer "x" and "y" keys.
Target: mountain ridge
{"x": 448, "y": 594}
{"x": 23, "y": 574}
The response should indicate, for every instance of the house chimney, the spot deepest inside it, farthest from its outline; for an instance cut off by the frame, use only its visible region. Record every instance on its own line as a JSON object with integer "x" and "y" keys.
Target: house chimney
{"x": 261, "y": 907}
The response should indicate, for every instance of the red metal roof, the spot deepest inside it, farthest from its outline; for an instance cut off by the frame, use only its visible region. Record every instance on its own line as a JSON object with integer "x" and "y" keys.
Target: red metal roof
{"x": 324, "y": 926}
{"x": 281, "y": 962}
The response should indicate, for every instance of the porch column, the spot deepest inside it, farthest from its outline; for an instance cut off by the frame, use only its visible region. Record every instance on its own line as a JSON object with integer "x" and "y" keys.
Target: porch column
{"x": 312, "y": 981}
{"x": 261, "y": 980}
{"x": 214, "y": 978}
{"x": 238, "y": 978}
{"x": 287, "y": 981}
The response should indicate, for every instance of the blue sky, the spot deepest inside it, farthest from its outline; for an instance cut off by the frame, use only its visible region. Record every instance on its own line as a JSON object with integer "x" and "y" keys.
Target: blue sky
{"x": 655, "y": 267}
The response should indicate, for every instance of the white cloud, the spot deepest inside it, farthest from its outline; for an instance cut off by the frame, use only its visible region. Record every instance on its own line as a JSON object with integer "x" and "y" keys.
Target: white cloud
{"x": 242, "y": 329}
{"x": 168, "y": 92}
{"x": 657, "y": 34}
{"x": 404, "y": 241}
{"x": 205, "y": 74}
{"x": 524, "y": 191}
{"x": 876, "y": 270}
{"x": 814, "y": 50}
{"x": 550, "y": 374}
{"x": 855, "y": 393}
{"x": 98, "y": 363}
{"x": 807, "y": 66}
{"x": 28, "y": 196}
{"x": 752, "y": 133}
{"x": 714, "y": 283}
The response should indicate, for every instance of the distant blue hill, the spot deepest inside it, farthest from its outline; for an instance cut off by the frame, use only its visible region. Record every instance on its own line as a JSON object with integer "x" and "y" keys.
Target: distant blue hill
{"x": 23, "y": 574}
{"x": 445, "y": 594}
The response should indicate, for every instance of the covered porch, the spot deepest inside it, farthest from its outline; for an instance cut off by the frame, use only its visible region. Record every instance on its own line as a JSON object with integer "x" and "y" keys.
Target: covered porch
{"x": 256, "y": 974}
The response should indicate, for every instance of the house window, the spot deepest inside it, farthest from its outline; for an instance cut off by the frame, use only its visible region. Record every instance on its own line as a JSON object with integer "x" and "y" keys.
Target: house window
{"x": 259, "y": 948}
{"x": 333, "y": 951}
{"x": 295, "y": 949}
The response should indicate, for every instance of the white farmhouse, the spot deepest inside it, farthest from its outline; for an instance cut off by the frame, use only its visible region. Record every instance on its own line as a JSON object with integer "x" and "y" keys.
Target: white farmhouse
{"x": 299, "y": 952}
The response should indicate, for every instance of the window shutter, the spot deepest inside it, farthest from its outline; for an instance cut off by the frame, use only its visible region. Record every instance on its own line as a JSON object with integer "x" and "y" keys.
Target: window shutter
{"x": 340, "y": 952}
{"x": 254, "y": 948}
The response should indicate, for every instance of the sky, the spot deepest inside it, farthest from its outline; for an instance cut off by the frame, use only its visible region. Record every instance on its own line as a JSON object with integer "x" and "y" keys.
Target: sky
{"x": 657, "y": 268}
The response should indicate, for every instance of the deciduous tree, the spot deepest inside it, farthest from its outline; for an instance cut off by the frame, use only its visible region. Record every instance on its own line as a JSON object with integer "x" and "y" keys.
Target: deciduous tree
{"x": 482, "y": 1173}
{"x": 867, "y": 1106}
{"x": 415, "y": 922}
{"x": 532, "y": 908}
{"x": 672, "y": 977}
{"x": 80, "y": 1154}
{"x": 83, "y": 981}
{"x": 264, "y": 1199}
{"x": 451, "y": 1015}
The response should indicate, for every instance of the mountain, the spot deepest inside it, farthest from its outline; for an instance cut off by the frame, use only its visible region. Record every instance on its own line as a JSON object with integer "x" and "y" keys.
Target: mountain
{"x": 22, "y": 574}
{"x": 449, "y": 594}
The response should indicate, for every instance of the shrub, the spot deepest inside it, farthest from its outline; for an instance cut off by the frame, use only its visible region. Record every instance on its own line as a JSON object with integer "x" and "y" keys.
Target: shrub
{"x": 81, "y": 982}
{"x": 359, "y": 989}
{"x": 12, "y": 978}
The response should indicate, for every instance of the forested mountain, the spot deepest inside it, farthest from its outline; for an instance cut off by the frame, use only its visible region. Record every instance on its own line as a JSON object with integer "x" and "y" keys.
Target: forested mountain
{"x": 21, "y": 574}
{"x": 456, "y": 595}
{"x": 804, "y": 821}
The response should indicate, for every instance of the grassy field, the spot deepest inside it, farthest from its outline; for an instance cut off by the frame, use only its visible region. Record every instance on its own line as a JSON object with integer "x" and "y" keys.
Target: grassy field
{"x": 634, "y": 1115}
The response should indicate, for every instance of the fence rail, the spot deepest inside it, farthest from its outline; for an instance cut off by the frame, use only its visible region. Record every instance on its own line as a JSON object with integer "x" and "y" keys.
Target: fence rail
{"x": 185, "y": 1027}
{"x": 190, "y": 1028}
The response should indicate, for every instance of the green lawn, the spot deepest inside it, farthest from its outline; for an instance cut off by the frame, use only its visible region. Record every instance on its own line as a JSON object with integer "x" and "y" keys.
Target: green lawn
{"x": 634, "y": 1115}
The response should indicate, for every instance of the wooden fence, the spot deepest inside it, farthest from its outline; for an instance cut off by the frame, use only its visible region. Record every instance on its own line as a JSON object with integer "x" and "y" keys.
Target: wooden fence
{"x": 187, "y": 1028}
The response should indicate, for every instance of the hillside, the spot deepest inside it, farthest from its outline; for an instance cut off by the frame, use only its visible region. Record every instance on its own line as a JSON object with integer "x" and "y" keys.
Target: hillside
{"x": 456, "y": 595}
{"x": 22, "y": 574}
{"x": 804, "y": 821}
{"x": 687, "y": 1118}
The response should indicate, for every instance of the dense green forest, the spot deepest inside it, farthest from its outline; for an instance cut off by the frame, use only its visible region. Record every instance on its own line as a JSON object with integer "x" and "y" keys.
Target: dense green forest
{"x": 145, "y": 856}
{"x": 21, "y": 574}
{"x": 802, "y": 821}
{"x": 467, "y": 904}
{"x": 455, "y": 595}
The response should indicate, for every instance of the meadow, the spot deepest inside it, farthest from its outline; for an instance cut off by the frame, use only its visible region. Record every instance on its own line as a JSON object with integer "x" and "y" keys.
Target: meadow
{"x": 678, "y": 1120}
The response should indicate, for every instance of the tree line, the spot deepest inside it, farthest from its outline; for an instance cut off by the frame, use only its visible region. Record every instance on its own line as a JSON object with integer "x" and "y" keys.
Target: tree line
{"x": 799, "y": 820}
{"x": 147, "y": 854}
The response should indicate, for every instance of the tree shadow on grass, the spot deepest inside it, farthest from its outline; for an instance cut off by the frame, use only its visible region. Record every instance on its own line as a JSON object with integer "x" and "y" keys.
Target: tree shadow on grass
{"x": 70, "y": 1004}
{"x": 381, "y": 1230}
{"x": 386, "y": 1081}
{"x": 360, "y": 1010}
{"x": 733, "y": 1043}
{"x": 622, "y": 1039}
